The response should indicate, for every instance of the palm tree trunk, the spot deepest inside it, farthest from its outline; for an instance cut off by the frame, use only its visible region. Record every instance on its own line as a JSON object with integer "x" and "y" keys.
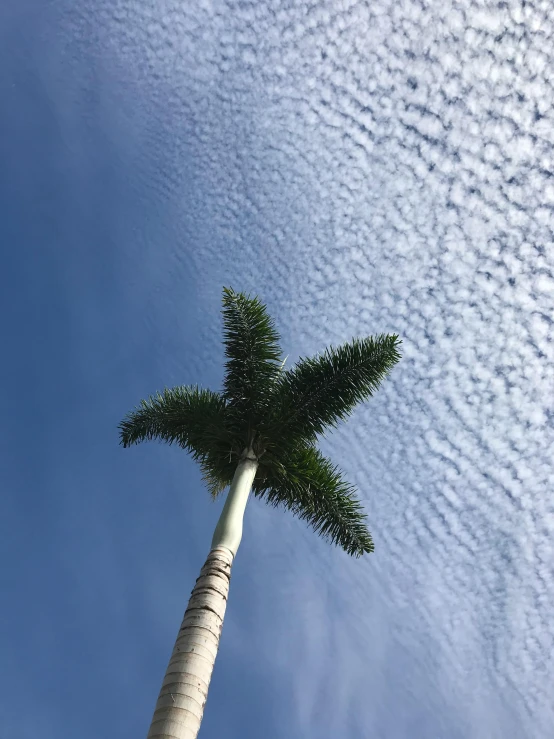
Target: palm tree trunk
{"x": 180, "y": 704}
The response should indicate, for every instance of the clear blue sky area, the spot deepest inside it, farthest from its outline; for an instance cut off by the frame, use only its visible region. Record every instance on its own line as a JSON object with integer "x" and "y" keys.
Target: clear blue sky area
{"x": 362, "y": 170}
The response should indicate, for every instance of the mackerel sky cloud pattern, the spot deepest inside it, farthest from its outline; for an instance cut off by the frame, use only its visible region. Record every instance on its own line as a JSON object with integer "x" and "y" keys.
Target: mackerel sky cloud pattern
{"x": 389, "y": 166}
{"x": 368, "y": 168}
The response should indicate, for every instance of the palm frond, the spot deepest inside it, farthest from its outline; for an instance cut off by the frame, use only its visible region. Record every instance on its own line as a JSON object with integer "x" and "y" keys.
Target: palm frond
{"x": 308, "y": 484}
{"x": 253, "y": 356}
{"x": 195, "y": 419}
{"x": 321, "y": 391}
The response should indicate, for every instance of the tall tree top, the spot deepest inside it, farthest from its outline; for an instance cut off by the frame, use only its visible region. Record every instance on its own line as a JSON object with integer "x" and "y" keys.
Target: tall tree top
{"x": 276, "y": 415}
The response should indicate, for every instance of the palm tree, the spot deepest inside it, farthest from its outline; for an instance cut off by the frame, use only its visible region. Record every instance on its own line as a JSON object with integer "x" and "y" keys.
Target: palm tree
{"x": 258, "y": 434}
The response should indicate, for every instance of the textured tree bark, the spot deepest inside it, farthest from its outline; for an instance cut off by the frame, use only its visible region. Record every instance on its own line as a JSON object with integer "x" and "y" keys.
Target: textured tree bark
{"x": 180, "y": 706}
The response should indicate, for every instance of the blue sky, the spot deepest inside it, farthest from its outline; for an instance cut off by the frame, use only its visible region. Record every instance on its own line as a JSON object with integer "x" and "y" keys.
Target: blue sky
{"x": 362, "y": 170}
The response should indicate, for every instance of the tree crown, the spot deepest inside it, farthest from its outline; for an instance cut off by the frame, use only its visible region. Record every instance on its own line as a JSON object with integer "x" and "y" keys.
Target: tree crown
{"x": 276, "y": 413}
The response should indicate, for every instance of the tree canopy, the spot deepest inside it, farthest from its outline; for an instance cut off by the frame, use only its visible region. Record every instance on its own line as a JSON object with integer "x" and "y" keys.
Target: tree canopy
{"x": 276, "y": 413}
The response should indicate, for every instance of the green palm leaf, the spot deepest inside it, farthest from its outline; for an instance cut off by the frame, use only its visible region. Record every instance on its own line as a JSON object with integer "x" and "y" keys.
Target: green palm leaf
{"x": 253, "y": 359}
{"x": 321, "y": 391}
{"x": 195, "y": 419}
{"x": 308, "y": 484}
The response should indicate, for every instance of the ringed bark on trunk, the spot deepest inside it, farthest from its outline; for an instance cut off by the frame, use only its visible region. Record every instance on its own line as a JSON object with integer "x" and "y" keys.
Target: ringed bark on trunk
{"x": 180, "y": 705}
